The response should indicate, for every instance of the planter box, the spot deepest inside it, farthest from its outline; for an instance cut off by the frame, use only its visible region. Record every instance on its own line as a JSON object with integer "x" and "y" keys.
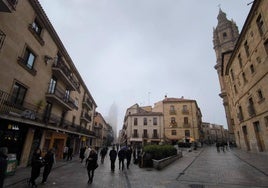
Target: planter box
{"x": 160, "y": 164}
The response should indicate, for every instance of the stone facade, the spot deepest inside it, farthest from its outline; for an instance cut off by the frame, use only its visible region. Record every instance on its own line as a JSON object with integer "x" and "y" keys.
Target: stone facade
{"x": 242, "y": 71}
{"x": 142, "y": 126}
{"x": 170, "y": 120}
{"x": 182, "y": 119}
{"x": 103, "y": 131}
{"x": 44, "y": 102}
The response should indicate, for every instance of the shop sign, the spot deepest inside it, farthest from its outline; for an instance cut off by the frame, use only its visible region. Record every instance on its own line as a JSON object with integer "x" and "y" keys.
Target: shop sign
{"x": 13, "y": 127}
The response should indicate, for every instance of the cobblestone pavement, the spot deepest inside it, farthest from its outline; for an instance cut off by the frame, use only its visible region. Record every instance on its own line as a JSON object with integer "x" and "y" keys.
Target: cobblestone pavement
{"x": 203, "y": 168}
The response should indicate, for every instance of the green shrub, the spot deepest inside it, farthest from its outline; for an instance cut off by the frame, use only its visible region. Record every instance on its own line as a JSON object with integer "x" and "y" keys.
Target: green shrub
{"x": 160, "y": 151}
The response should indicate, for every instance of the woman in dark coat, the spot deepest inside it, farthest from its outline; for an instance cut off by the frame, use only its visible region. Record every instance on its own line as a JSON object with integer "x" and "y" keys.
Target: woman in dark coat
{"x": 91, "y": 165}
{"x": 37, "y": 163}
{"x": 49, "y": 161}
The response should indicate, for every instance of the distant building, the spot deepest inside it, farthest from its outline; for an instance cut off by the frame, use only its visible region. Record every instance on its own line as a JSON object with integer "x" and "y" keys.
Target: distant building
{"x": 242, "y": 67}
{"x": 44, "y": 102}
{"x": 142, "y": 126}
{"x": 182, "y": 119}
{"x": 171, "y": 120}
{"x": 214, "y": 133}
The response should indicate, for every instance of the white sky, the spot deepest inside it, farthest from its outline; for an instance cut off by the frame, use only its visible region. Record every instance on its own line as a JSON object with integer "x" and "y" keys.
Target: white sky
{"x": 138, "y": 51}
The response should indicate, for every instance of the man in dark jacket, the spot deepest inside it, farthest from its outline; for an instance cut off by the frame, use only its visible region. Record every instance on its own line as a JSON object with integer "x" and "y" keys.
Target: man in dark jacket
{"x": 3, "y": 165}
{"x": 113, "y": 155}
{"x": 49, "y": 161}
{"x": 128, "y": 156}
{"x": 121, "y": 157}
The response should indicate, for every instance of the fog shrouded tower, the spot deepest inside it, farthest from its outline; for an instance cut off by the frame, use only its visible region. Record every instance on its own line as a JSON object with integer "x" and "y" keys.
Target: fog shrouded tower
{"x": 112, "y": 118}
{"x": 225, "y": 36}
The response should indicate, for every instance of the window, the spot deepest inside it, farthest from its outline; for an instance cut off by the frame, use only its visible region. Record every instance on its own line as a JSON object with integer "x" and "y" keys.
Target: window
{"x": 135, "y": 121}
{"x": 2, "y": 38}
{"x": 252, "y": 70}
{"x": 244, "y": 77}
{"x": 173, "y": 132}
{"x": 145, "y": 134}
{"x": 232, "y": 74}
{"x": 37, "y": 27}
{"x": 224, "y": 35}
{"x": 172, "y": 110}
{"x": 240, "y": 114}
{"x": 260, "y": 25}
{"x": 260, "y": 95}
{"x": 266, "y": 121}
{"x": 266, "y": 46}
{"x": 155, "y": 133}
{"x": 251, "y": 109}
{"x": 246, "y": 48}
{"x": 172, "y": 120}
{"x": 144, "y": 121}
{"x": 240, "y": 60}
{"x": 185, "y": 120}
{"x": 154, "y": 121}
{"x": 135, "y": 133}
{"x": 47, "y": 112}
{"x": 187, "y": 133}
{"x": 67, "y": 95}
{"x": 18, "y": 94}
{"x": 235, "y": 89}
{"x": 52, "y": 85}
{"x": 29, "y": 58}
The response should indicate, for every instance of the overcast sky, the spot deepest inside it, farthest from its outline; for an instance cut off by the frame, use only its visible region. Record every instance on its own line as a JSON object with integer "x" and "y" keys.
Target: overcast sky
{"x": 138, "y": 51}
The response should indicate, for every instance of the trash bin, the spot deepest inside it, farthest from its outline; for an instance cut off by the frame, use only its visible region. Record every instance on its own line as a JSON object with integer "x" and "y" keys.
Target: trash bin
{"x": 11, "y": 164}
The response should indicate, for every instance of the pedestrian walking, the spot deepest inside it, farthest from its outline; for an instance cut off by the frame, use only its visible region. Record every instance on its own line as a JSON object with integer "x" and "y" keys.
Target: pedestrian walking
{"x": 3, "y": 165}
{"x": 121, "y": 157}
{"x": 70, "y": 154}
{"x": 87, "y": 152}
{"x": 113, "y": 155}
{"x": 103, "y": 153}
{"x": 37, "y": 163}
{"x": 49, "y": 161}
{"x": 218, "y": 146}
{"x": 65, "y": 152}
{"x": 128, "y": 156}
{"x": 91, "y": 165}
{"x": 82, "y": 154}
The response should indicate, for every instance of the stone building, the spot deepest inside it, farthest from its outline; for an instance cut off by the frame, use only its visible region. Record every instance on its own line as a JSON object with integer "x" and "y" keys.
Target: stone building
{"x": 103, "y": 131}
{"x": 170, "y": 120}
{"x": 214, "y": 133}
{"x": 44, "y": 102}
{"x": 142, "y": 126}
{"x": 242, "y": 67}
{"x": 182, "y": 119}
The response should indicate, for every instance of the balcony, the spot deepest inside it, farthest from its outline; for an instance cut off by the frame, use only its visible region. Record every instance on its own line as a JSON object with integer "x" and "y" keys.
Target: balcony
{"x": 172, "y": 112}
{"x": 58, "y": 96}
{"x": 88, "y": 104}
{"x": 30, "y": 112}
{"x": 60, "y": 70}
{"x": 186, "y": 125}
{"x": 155, "y": 136}
{"x": 85, "y": 117}
{"x": 185, "y": 111}
{"x": 8, "y": 5}
{"x": 145, "y": 135}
